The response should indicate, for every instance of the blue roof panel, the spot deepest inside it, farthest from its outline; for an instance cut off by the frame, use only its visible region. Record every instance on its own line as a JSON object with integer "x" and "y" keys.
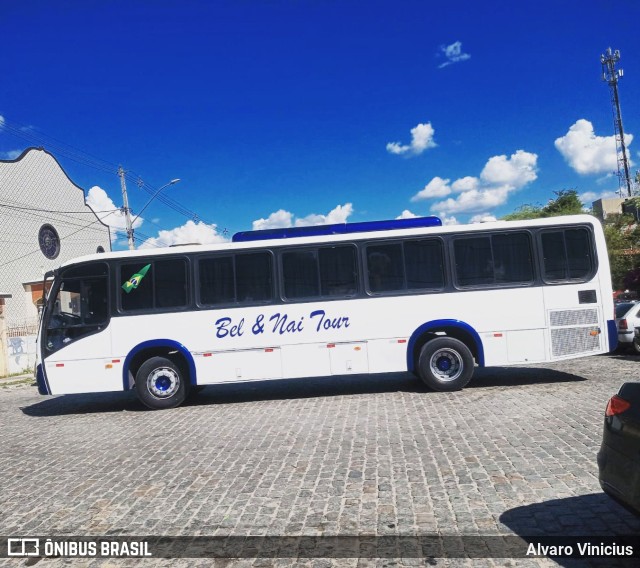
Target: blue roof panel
{"x": 337, "y": 229}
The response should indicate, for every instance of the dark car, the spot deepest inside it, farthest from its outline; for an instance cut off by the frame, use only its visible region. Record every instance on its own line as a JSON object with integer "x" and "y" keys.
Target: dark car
{"x": 619, "y": 456}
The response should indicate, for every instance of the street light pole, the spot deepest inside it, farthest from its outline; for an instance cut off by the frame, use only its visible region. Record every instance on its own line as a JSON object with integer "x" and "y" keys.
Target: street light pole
{"x": 130, "y": 222}
{"x": 125, "y": 208}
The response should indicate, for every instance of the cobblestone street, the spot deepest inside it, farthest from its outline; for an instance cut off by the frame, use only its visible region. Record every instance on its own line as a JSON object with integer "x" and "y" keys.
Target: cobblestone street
{"x": 514, "y": 453}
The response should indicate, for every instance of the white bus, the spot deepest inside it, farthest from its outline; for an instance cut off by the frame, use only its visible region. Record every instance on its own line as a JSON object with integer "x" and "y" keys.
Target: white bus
{"x": 376, "y": 297}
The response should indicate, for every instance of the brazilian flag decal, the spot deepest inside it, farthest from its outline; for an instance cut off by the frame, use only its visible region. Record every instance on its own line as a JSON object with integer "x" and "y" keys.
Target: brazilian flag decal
{"x": 135, "y": 280}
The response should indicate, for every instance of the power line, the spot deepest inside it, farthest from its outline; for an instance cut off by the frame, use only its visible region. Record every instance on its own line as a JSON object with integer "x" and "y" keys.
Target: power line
{"x": 8, "y": 206}
{"x": 61, "y": 238}
{"x": 81, "y": 157}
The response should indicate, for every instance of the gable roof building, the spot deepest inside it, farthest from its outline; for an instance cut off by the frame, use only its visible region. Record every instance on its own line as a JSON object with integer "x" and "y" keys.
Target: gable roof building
{"x": 44, "y": 221}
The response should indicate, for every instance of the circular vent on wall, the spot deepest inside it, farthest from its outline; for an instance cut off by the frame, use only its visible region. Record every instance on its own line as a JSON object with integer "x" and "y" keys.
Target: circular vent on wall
{"x": 49, "y": 241}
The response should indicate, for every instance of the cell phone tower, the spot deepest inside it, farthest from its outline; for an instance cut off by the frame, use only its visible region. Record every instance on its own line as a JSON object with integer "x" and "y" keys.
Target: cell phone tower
{"x": 611, "y": 75}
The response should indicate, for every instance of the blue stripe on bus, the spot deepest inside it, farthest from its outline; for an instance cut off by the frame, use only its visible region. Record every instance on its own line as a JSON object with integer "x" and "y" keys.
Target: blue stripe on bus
{"x": 155, "y": 343}
{"x": 438, "y": 325}
{"x": 612, "y": 332}
{"x": 336, "y": 229}
{"x": 41, "y": 380}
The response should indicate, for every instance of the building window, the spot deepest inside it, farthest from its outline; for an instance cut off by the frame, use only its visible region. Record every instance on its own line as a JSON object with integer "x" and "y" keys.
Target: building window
{"x": 49, "y": 241}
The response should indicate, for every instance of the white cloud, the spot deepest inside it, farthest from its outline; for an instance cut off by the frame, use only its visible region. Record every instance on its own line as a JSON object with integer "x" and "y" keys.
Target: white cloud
{"x": 421, "y": 140}
{"x": 500, "y": 176}
{"x": 453, "y": 54}
{"x": 10, "y": 154}
{"x": 473, "y": 200}
{"x": 446, "y": 219}
{"x": 107, "y": 211}
{"x": 482, "y": 218}
{"x": 337, "y": 215}
{"x": 586, "y": 152}
{"x": 437, "y": 187}
{"x": 278, "y": 219}
{"x": 464, "y": 184}
{"x": 285, "y": 219}
{"x": 189, "y": 233}
{"x": 406, "y": 214}
{"x": 516, "y": 171}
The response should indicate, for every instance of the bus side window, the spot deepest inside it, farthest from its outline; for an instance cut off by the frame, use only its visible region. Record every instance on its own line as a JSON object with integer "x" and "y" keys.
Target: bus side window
{"x": 424, "y": 263}
{"x": 578, "y": 253}
{"x": 567, "y": 254}
{"x": 254, "y": 278}
{"x": 554, "y": 255}
{"x": 474, "y": 261}
{"x": 170, "y": 283}
{"x": 300, "y": 271}
{"x": 385, "y": 268}
{"x": 338, "y": 271}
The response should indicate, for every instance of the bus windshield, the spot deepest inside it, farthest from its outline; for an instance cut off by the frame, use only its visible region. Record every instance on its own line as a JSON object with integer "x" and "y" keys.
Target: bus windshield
{"x": 77, "y": 306}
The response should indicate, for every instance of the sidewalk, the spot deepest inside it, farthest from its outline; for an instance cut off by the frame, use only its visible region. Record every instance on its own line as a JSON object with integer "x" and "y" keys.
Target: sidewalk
{"x": 24, "y": 378}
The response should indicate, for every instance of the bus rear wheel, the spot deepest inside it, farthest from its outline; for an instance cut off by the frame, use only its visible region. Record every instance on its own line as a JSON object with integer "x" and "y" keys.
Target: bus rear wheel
{"x": 445, "y": 364}
{"x": 160, "y": 384}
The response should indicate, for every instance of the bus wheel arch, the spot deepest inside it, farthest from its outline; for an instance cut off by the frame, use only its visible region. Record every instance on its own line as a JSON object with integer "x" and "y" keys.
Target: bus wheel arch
{"x": 445, "y": 329}
{"x": 169, "y": 351}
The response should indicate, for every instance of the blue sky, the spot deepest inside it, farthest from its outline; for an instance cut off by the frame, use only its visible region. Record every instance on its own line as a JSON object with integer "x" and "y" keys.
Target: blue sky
{"x": 292, "y": 112}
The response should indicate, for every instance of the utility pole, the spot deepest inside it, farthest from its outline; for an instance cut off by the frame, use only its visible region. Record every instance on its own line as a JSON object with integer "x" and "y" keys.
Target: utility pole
{"x": 610, "y": 75}
{"x": 125, "y": 208}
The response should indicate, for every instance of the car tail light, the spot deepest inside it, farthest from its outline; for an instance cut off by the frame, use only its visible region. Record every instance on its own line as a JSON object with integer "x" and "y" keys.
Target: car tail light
{"x": 622, "y": 324}
{"x": 616, "y": 405}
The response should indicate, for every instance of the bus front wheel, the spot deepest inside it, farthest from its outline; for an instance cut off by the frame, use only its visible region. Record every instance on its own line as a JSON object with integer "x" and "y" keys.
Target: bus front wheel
{"x": 445, "y": 364}
{"x": 160, "y": 384}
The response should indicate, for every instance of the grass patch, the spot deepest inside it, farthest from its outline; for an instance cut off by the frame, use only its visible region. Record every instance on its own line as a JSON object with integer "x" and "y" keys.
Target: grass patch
{"x": 7, "y": 384}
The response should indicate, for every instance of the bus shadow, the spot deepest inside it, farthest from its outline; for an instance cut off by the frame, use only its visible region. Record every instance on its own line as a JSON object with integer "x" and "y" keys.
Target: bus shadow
{"x": 519, "y": 376}
{"x": 589, "y": 517}
{"x": 316, "y": 387}
{"x": 287, "y": 389}
{"x": 94, "y": 403}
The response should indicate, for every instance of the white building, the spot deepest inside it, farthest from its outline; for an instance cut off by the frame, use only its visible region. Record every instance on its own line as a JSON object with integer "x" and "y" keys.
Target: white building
{"x": 44, "y": 221}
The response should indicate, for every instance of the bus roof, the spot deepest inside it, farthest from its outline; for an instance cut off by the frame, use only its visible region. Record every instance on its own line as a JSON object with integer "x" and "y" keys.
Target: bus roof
{"x": 336, "y": 229}
{"x": 331, "y": 237}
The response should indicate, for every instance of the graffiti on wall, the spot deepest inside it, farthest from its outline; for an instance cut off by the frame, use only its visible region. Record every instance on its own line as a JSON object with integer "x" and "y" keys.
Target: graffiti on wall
{"x": 21, "y": 353}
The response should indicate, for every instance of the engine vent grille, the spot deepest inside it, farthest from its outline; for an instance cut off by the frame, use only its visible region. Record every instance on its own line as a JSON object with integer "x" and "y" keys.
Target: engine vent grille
{"x": 572, "y": 340}
{"x": 574, "y": 317}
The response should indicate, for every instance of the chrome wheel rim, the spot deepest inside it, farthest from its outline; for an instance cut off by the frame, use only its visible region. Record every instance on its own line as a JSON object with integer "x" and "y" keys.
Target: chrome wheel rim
{"x": 163, "y": 382}
{"x": 446, "y": 364}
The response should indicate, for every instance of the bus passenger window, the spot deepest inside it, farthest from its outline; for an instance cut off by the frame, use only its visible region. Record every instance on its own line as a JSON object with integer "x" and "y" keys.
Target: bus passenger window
{"x": 254, "y": 280}
{"x": 300, "y": 271}
{"x": 578, "y": 252}
{"x": 567, "y": 254}
{"x": 512, "y": 258}
{"x": 338, "y": 271}
{"x": 554, "y": 255}
{"x": 385, "y": 268}
{"x": 474, "y": 261}
{"x": 424, "y": 264}
{"x": 136, "y": 290}
{"x": 216, "y": 281}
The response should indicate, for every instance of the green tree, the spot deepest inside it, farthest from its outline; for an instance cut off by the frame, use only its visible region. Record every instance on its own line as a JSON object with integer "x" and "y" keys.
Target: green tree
{"x": 566, "y": 202}
{"x": 622, "y": 236}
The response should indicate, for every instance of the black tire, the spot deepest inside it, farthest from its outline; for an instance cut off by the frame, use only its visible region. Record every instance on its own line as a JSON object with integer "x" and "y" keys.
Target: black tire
{"x": 445, "y": 364}
{"x": 635, "y": 347}
{"x": 160, "y": 384}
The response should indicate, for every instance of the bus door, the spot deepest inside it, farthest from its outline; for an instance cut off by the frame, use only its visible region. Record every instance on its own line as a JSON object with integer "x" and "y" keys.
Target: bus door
{"x": 76, "y": 339}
